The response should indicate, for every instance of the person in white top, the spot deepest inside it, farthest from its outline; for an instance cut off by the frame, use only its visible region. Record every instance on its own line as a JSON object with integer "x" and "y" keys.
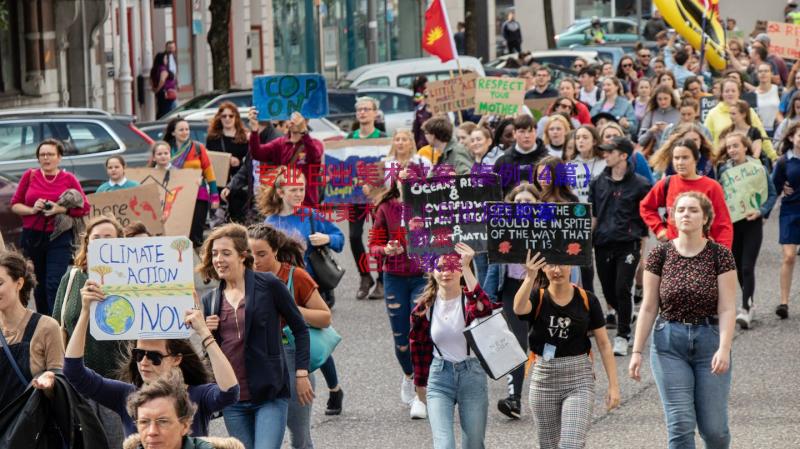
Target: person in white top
{"x": 768, "y": 99}
{"x": 589, "y": 94}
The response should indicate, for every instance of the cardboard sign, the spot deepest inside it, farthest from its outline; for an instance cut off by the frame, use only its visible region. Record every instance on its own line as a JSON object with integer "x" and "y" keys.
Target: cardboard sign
{"x": 222, "y": 166}
{"x": 277, "y": 96}
{"x": 784, "y": 39}
{"x": 177, "y": 190}
{"x": 561, "y": 232}
{"x": 539, "y": 106}
{"x": 499, "y": 96}
{"x": 452, "y": 94}
{"x": 349, "y": 164}
{"x": 148, "y": 283}
{"x": 745, "y": 188}
{"x": 140, "y": 203}
{"x": 706, "y": 105}
{"x": 449, "y": 210}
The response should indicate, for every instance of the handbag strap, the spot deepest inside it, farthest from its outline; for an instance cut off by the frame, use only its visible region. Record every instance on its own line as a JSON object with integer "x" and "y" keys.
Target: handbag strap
{"x": 11, "y": 359}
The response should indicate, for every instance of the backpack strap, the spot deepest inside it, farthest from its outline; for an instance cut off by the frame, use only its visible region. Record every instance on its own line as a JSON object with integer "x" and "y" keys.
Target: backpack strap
{"x": 666, "y": 194}
{"x": 290, "y": 282}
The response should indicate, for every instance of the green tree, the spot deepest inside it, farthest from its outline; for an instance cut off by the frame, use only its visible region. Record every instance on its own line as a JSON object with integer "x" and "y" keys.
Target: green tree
{"x": 219, "y": 43}
{"x": 180, "y": 246}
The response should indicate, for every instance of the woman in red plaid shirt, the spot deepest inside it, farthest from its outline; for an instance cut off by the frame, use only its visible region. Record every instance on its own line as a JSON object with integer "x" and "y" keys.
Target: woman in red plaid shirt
{"x": 445, "y": 373}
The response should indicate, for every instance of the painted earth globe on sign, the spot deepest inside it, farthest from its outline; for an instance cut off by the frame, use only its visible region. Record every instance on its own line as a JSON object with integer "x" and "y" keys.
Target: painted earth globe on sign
{"x": 114, "y": 316}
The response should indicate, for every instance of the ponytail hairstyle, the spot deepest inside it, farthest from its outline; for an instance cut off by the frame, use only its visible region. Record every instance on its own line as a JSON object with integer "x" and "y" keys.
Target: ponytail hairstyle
{"x": 705, "y": 206}
{"x": 286, "y": 249}
{"x": 18, "y": 267}
{"x": 268, "y": 201}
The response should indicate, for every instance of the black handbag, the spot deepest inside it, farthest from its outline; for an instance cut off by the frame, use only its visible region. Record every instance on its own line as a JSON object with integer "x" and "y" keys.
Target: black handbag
{"x": 327, "y": 271}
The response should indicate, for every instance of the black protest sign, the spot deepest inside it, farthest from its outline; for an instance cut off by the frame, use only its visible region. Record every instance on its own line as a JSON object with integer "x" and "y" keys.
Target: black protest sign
{"x": 443, "y": 211}
{"x": 561, "y": 232}
{"x": 706, "y": 105}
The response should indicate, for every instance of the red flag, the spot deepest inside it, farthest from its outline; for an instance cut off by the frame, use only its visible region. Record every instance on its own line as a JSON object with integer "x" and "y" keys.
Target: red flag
{"x": 437, "y": 38}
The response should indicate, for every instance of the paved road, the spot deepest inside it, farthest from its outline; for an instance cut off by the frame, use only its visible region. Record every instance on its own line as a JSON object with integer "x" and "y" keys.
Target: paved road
{"x": 764, "y": 405}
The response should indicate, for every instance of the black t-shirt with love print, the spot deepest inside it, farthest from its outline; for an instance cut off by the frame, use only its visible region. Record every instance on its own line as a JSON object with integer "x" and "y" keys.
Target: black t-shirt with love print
{"x": 564, "y": 327}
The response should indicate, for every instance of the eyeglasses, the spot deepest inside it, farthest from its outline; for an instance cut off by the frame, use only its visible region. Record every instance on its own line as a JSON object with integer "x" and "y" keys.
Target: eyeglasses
{"x": 153, "y": 356}
{"x": 627, "y": 66}
{"x": 161, "y": 423}
{"x": 227, "y": 115}
{"x": 644, "y": 55}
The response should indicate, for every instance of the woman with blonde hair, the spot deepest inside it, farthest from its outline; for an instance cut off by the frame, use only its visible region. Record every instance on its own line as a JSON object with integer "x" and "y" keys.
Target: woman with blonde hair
{"x": 463, "y": 131}
{"x": 555, "y": 134}
{"x": 403, "y": 155}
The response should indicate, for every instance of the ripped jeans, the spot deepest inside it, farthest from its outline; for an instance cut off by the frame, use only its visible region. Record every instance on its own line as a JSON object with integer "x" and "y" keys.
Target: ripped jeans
{"x": 400, "y": 293}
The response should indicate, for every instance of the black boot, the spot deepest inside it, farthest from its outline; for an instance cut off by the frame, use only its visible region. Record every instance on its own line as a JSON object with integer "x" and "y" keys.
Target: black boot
{"x": 377, "y": 292}
{"x": 363, "y": 288}
{"x": 509, "y": 406}
{"x": 335, "y": 402}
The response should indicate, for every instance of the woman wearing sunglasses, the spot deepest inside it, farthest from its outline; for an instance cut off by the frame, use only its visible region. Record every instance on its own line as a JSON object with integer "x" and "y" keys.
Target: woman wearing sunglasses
{"x": 148, "y": 361}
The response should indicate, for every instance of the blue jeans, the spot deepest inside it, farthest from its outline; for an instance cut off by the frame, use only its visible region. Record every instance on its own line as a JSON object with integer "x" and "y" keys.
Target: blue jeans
{"x": 50, "y": 261}
{"x": 328, "y": 370}
{"x": 299, "y": 416}
{"x": 257, "y": 426}
{"x": 400, "y": 292}
{"x": 692, "y": 396}
{"x": 457, "y": 384}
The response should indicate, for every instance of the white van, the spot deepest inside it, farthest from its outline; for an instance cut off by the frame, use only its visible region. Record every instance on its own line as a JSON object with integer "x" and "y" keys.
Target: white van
{"x": 402, "y": 73}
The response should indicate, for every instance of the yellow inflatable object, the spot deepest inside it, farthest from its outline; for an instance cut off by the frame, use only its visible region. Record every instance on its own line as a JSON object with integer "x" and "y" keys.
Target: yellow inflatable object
{"x": 686, "y": 17}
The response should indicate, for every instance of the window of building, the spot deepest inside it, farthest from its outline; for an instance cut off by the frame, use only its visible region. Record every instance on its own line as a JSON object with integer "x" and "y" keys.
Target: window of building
{"x": 9, "y": 47}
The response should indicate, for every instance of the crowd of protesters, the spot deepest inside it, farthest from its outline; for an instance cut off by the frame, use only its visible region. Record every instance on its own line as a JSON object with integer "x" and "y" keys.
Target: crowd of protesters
{"x": 635, "y": 136}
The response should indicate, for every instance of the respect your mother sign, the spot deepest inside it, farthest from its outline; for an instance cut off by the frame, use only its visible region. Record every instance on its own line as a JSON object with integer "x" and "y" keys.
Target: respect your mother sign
{"x": 148, "y": 283}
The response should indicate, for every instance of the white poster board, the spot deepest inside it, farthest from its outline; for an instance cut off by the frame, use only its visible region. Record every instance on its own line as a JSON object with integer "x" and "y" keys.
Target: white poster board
{"x": 148, "y": 284}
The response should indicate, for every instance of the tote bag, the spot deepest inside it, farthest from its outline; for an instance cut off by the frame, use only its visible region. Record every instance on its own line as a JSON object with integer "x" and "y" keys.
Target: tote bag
{"x": 495, "y": 346}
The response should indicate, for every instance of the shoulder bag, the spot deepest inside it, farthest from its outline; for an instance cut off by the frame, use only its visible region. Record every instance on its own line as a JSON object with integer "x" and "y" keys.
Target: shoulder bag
{"x": 322, "y": 342}
{"x": 327, "y": 271}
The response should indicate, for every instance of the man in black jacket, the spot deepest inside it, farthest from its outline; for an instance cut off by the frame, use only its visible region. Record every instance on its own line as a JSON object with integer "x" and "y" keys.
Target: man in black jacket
{"x": 618, "y": 230}
{"x": 518, "y": 163}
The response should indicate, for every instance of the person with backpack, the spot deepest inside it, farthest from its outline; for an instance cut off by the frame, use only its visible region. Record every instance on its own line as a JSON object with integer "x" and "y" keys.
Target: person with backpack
{"x": 786, "y": 177}
{"x": 685, "y": 155}
{"x": 187, "y": 153}
{"x": 690, "y": 295}
{"x": 560, "y": 316}
{"x": 617, "y": 232}
{"x": 446, "y": 373}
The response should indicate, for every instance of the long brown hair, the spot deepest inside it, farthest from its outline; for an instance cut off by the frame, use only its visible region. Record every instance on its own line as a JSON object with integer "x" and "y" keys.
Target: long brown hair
{"x": 268, "y": 202}
{"x": 238, "y": 235}
{"x": 81, "y": 255}
{"x": 556, "y": 192}
{"x": 193, "y": 367}
{"x": 215, "y": 127}
{"x": 287, "y": 249}
{"x": 662, "y": 159}
{"x": 705, "y": 206}
{"x": 722, "y": 153}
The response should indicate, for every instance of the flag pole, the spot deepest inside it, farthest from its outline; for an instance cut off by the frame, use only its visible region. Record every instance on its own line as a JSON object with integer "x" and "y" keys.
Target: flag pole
{"x": 460, "y": 117}
{"x": 703, "y": 31}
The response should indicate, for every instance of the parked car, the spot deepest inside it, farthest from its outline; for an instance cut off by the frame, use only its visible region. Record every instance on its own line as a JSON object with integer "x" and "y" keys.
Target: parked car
{"x": 403, "y": 72}
{"x": 90, "y": 136}
{"x": 10, "y": 223}
{"x": 211, "y": 100}
{"x": 614, "y": 52}
{"x": 563, "y": 58}
{"x": 616, "y": 30}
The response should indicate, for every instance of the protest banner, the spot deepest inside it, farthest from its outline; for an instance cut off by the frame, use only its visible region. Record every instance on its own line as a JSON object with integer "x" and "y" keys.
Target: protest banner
{"x": 451, "y": 95}
{"x": 351, "y": 163}
{"x": 447, "y": 210}
{"x": 222, "y": 166}
{"x": 141, "y": 203}
{"x": 784, "y": 40}
{"x": 177, "y": 190}
{"x": 148, "y": 284}
{"x": 561, "y": 232}
{"x": 745, "y": 188}
{"x": 499, "y": 96}
{"x": 706, "y": 105}
{"x": 539, "y": 106}
{"x": 277, "y": 96}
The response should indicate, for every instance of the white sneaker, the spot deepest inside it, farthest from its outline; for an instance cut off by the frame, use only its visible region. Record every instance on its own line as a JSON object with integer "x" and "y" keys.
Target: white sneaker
{"x": 744, "y": 317}
{"x": 620, "y": 346}
{"x": 418, "y": 409}
{"x": 407, "y": 391}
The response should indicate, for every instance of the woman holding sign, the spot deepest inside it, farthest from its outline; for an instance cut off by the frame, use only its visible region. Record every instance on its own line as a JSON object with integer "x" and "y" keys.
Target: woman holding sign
{"x": 560, "y": 316}
{"x": 748, "y": 230}
{"x": 245, "y": 315}
{"x": 445, "y": 373}
{"x": 186, "y": 153}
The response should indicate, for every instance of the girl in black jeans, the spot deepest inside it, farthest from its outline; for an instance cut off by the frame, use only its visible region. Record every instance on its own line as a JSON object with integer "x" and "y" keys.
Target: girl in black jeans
{"x": 735, "y": 150}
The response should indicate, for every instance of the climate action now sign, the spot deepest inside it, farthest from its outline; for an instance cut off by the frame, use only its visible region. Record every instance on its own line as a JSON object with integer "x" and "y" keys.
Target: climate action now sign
{"x": 499, "y": 96}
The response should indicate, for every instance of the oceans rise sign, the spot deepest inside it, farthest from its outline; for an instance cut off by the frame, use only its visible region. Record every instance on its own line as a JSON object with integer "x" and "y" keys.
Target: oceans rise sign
{"x": 499, "y": 96}
{"x": 784, "y": 39}
{"x": 277, "y": 96}
{"x": 447, "y": 211}
{"x": 745, "y": 188}
{"x": 140, "y": 203}
{"x": 452, "y": 95}
{"x": 342, "y": 158}
{"x": 148, "y": 283}
{"x": 561, "y": 232}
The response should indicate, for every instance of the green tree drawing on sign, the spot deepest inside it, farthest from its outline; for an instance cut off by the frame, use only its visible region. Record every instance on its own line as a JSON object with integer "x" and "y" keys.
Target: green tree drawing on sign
{"x": 180, "y": 246}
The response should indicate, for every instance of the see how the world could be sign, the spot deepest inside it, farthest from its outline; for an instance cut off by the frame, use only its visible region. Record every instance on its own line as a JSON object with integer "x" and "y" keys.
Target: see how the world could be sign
{"x": 148, "y": 283}
{"x": 561, "y": 232}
